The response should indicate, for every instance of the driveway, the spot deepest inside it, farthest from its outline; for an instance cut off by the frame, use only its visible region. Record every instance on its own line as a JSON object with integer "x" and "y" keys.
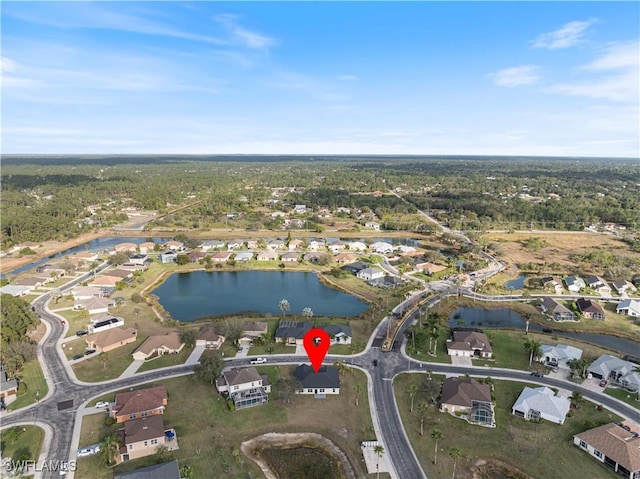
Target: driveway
{"x": 243, "y": 352}
{"x": 461, "y": 361}
{"x": 194, "y": 357}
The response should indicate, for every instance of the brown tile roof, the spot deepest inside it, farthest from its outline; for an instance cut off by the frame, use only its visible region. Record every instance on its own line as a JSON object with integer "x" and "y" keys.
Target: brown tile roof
{"x": 141, "y": 400}
{"x": 473, "y": 340}
{"x": 111, "y": 336}
{"x": 461, "y": 391}
{"x": 255, "y": 326}
{"x": 616, "y": 443}
{"x": 589, "y": 306}
{"x": 208, "y": 333}
{"x": 169, "y": 340}
{"x": 236, "y": 377}
{"x": 143, "y": 429}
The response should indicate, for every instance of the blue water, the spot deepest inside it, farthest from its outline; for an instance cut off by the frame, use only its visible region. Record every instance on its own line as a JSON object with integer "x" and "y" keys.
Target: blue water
{"x": 188, "y": 296}
{"x": 507, "y": 318}
{"x": 516, "y": 283}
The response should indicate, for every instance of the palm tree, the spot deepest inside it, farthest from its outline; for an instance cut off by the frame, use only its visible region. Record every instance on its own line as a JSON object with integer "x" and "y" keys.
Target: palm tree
{"x": 307, "y": 313}
{"x": 422, "y": 409}
{"x": 412, "y": 390}
{"x": 435, "y": 335}
{"x": 576, "y": 398}
{"x": 412, "y": 332}
{"x": 104, "y": 359}
{"x": 455, "y": 454}
{"x": 110, "y": 448}
{"x": 527, "y": 317}
{"x": 358, "y": 389}
{"x": 340, "y": 366}
{"x": 379, "y": 451}
{"x": 284, "y": 306}
{"x": 436, "y": 434}
{"x": 534, "y": 348}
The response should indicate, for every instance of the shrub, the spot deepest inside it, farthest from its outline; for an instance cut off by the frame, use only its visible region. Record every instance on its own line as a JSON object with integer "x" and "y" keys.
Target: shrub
{"x": 109, "y": 421}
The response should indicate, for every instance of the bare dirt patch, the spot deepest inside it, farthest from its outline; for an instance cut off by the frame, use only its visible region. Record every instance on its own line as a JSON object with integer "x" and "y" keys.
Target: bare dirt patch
{"x": 256, "y": 449}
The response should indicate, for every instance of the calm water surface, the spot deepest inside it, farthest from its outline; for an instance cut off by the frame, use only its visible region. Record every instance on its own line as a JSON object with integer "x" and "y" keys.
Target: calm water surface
{"x": 188, "y": 296}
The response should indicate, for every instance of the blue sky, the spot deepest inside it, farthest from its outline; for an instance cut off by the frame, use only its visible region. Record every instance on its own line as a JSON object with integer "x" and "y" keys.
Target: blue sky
{"x": 490, "y": 78}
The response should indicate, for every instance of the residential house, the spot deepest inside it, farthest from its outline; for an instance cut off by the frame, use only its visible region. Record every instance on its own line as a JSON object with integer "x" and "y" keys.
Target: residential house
{"x": 221, "y": 256}
{"x": 623, "y": 287}
{"x": 15, "y": 290}
{"x": 556, "y": 310}
{"x": 245, "y": 386}
{"x": 142, "y": 437}
{"x": 316, "y": 244}
{"x": 164, "y": 470}
{"x": 195, "y": 256}
{"x": 316, "y": 257}
{"x": 275, "y": 245}
{"x": 574, "y": 283}
{"x": 357, "y": 246}
{"x": 325, "y": 381}
{"x": 267, "y": 256}
{"x": 278, "y": 214}
{"x": 551, "y": 282}
{"x": 32, "y": 282}
{"x": 209, "y": 338}
{"x": 252, "y": 330}
{"x": 133, "y": 267}
{"x": 141, "y": 403}
{"x": 370, "y": 273}
{"x": 590, "y": 309}
{"x": 620, "y": 372}
{"x": 387, "y": 281}
{"x": 169, "y": 343}
{"x": 629, "y": 307}
{"x": 212, "y": 245}
{"x": 405, "y": 250}
{"x": 381, "y": 247}
{"x": 469, "y": 344}
{"x": 429, "y": 268}
{"x": 140, "y": 259}
{"x": 95, "y": 305}
{"x": 558, "y": 355}
{"x": 355, "y": 268}
{"x": 338, "y": 333}
{"x": 294, "y": 244}
{"x": 147, "y": 247}
{"x": 235, "y": 244}
{"x": 613, "y": 445}
{"x": 110, "y": 339}
{"x": 50, "y": 270}
{"x": 8, "y": 387}
{"x": 344, "y": 258}
{"x": 468, "y": 398}
{"x": 168, "y": 257}
{"x": 336, "y": 246}
{"x": 105, "y": 281}
{"x": 120, "y": 273}
{"x": 535, "y": 404}
{"x": 299, "y": 209}
{"x": 87, "y": 256}
{"x": 372, "y": 225}
{"x": 292, "y": 332}
{"x": 174, "y": 245}
{"x": 125, "y": 247}
{"x": 244, "y": 256}
{"x": 253, "y": 243}
{"x": 103, "y": 321}
{"x": 598, "y": 284}
{"x": 289, "y": 257}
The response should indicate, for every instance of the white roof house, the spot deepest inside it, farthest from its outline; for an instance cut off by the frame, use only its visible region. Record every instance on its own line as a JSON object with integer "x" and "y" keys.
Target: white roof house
{"x": 15, "y": 290}
{"x": 630, "y": 307}
{"x": 559, "y": 355}
{"x": 381, "y": 247}
{"x": 541, "y": 403}
{"x": 370, "y": 273}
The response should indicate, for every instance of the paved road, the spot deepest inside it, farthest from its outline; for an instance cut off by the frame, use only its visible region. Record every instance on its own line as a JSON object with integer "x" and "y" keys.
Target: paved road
{"x": 66, "y": 395}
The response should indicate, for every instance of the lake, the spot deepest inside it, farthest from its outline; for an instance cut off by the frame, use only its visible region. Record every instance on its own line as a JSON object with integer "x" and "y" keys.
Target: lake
{"x": 508, "y": 319}
{"x": 516, "y": 283}
{"x": 188, "y": 296}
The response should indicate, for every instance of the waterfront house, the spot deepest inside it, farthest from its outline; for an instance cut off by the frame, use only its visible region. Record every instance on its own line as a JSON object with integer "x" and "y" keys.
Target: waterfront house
{"x": 289, "y": 257}
{"x": 381, "y": 247}
{"x": 590, "y": 309}
{"x": 629, "y": 307}
{"x": 125, "y": 247}
{"x": 267, "y": 256}
{"x": 469, "y": 344}
{"x": 147, "y": 247}
{"x": 574, "y": 283}
{"x": 221, "y": 256}
{"x": 621, "y": 373}
{"x": 556, "y": 310}
{"x": 244, "y": 256}
{"x": 212, "y": 245}
{"x": 368, "y": 274}
{"x": 558, "y": 355}
{"x": 292, "y": 332}
{"x": 168, "y": 257}
{"x": 209, "y": 338}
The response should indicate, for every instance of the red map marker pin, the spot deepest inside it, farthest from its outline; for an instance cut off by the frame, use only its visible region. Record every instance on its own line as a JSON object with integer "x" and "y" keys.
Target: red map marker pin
{"x": 316, "y": 343}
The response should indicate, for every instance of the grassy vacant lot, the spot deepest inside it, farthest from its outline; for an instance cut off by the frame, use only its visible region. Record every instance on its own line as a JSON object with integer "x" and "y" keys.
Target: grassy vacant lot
{"x": 537, "y": 449}
{"x": 22, "y": 442}
{"x": 166, "y": 360}
{"x": 33, "y": 383}
{"x": 208, "y": 432}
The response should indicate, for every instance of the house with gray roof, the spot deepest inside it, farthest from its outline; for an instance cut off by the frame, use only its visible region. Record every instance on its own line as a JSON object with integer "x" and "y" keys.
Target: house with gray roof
{"x": 559, "y": 355}
{"x": 246, "y": 387}
{"x": 629, "y": 307}
{"x": 244, "y": 256}
{"x": 325, "y": 381}
{"x": 292, "y": 332}
{"x": 574, "y": 283}
{"x": 557, "y": 311}
{"x": 8, "y": 387}
{"x": 623, "y": 287}
{"x": 621, "y": 373}
{"x": 212, "y": 244}
{"x": 164, "y": 470}
{"x": 535, "y": 404}
{"x": 339, "y": 333}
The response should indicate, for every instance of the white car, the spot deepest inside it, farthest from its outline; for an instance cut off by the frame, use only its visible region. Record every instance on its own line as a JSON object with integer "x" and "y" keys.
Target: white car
{"x": 85, "y": 452}
{"x": 102, "y": 404}
{"x": 259, "y": 361}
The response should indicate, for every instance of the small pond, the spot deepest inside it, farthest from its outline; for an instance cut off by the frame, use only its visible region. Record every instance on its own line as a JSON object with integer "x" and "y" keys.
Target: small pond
{"x": 189, "y": 296}
{"x": 516, "y": 283}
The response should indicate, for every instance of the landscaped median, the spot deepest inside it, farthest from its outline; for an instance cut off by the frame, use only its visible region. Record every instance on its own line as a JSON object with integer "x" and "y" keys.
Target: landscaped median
{"x": 515, "y": 446}
{"x": 210, "y": 434}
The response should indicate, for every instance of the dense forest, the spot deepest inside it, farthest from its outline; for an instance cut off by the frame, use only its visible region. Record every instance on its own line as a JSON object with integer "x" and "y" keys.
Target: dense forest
{"x": 17, "y": 320}
{"x": 48, "y": 197}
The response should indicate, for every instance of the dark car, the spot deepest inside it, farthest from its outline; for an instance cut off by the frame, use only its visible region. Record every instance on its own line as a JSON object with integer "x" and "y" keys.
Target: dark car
{"x": 536, "y": 374}
{"x": 81, "y": 333}
{"x": 89, "y": 351}
{"x": 375, "y": 362}
{"x": 603, "y": 383}
{"x": 78, "y": 356}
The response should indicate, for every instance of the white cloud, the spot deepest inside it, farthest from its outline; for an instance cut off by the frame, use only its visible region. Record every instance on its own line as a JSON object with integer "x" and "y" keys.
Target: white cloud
{"x": 516, "y": 76}
{"x": 617, "y": 55}
{"x": 7, "y": 65}
{"x": 243, "y": 35}
{"x": 347, "y": 77}
{"x": 566, "y": 36}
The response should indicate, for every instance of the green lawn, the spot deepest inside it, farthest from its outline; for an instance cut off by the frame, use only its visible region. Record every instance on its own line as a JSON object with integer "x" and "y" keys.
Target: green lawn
{"x": 33, "y": 383}
{"x": 166, "y": 360}
{"x": 94, "y": 370}
{"x": 22, "y": 442}
{"x": 626, "y": 396}
{"x": 208, "y": 432}
{"x": 75, "y": 320}
{"x": 517, "y": 443}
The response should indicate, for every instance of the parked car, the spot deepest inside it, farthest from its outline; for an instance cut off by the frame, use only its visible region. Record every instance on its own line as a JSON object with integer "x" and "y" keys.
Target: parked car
{"x": 375, "y": 362}
{"x": 259, "y": 361}
{"x": 537, "y": 374}
{"x": 78, "y": 356}
{"x": 554, "y": 369}
{"x": 102, "y": 404}
{"x": 89, "y": 351}
{"x": 603, "y": 383}
{"x": 85, "y": 452}
{"x": 81, "y": 332}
